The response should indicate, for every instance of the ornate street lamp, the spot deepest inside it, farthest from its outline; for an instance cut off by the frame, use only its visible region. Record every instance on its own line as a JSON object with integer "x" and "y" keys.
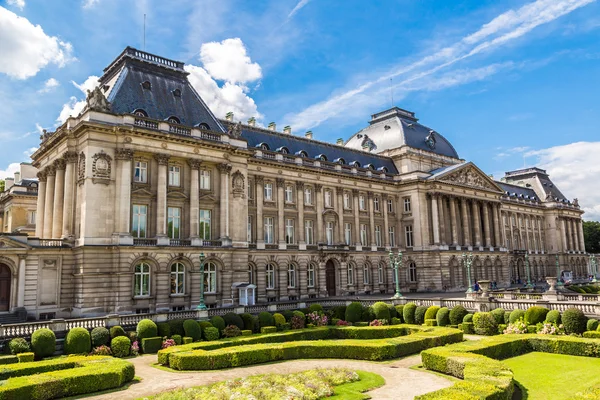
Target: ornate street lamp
{"x": 529, "y": 285}
{"x": 201, "y": 305}
{"x": 594, "y": 267}
{"x": 396, "y": 262}
{"x": 467, "y": 261}
{"x": 558, "y": 281}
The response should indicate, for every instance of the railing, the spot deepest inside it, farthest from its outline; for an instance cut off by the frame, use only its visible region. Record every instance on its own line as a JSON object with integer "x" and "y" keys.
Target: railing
{"x": 145, "y": 123}
{"x": 210, "y": 136}
{"x": 51, "y": 242}
{"x": 144, "y": 242}
{"x": 180, "y": 242}
{"x": 87, "y": 323}
{"x": 270, "y": 156}
{"x": 212, "y": 243}
{"x": 179, "y": 130}
{"x": 187, "y": 314}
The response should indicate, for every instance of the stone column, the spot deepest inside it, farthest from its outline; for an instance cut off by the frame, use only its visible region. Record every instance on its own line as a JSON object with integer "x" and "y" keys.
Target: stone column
{"x": 194, "y": 198}
{"x": 454, "y": 221}
{"x": 442, "y": 218}
{"x": 280, "y": 212}
{"x": 49, "y": 203}
{"x": 319, "y": 233}
{"x": 573, "y": 233}
{"x": 466, "y": 230}
{"x": 339, "y": 192}
{"x": 581, "y": 237}
{"x": 497, "y": 220}
{"x": 260, "y": 223}
{"x": 161, "y": 199}
{"x": 372, "y": 223}
{"x": 567, "y": 223}
{"x": 59, "y": 198}
{"x": 21, "y": 281}
{"x": 69, "y": 203}
{"x": 527, "y": 231}
{"x": 540, "y": 223}
{"x": 300, "y": 224}
{"x": 355, "y": 194}
{"x": 224, "y": 170}
{"x": 476, "y": 222}
{"x": 386, "y": 224}
{"x": 435, "y": 219}
{"x": 563, "y": 228}
{"x": 41, "y": 205}
{"x": 486, "y": 224}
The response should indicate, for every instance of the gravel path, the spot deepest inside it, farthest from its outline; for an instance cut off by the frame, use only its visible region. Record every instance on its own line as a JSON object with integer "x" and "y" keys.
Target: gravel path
{"x": 401, "y": 382}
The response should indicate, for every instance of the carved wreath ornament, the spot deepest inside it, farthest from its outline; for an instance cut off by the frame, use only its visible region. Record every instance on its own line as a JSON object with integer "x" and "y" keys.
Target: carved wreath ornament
{"x": 237, "y": 182}
{"x": 101, "y": 166}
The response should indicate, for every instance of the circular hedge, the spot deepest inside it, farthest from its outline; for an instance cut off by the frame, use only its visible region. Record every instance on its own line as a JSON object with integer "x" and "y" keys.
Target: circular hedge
{"x": 176, "y": 327}
{"x": 468, "y": 318}
{"x": 535, "y": 315}
{"x": 78, "y": 341}
{"x": 177, "y": 339}
{"x": 211, "y": 334}
{"x": 18, "y": 346}
{"x": 164, "y": 329}
{"x": 400, "y": 312}
{"x": 315, "y": 308}
{"x": 498, "y": 313}
{"x": 248, "y": 321}
{"x": 393, "y": 312}
{"x": 592, "y": 324}
{"x": 120, "y": 346}
{"x": 431, "y": 312}
{"x": 420, "y": 315}
{"x": 408, "y": 313}
{"x": 279, "y": 319}
{"x": 192, "y": 329}
{"x": 368, "y": 314}
{"x": 339, "y": 312}
{"x": 354, "y": 312}
{"x": 203, "y": 326}
{"x": 43, "y": 343}
{"x": 100, "y": 336}
{"x": 516, "y": 315}
{"x": 443, "y": 317}
{"x": 266, "y": 319}
{"x": 574, "y": 321}
{"x": 146, "y": 328}
{"x": 485, "y": 324}
{"x": 234, "y": 319}
{"x": 117, "y": 331}
{"x": 218, "y": 322}
{"x": 553, "y": 317}
{"x": 457, "y": 314}
{"x": 381, "y": 311}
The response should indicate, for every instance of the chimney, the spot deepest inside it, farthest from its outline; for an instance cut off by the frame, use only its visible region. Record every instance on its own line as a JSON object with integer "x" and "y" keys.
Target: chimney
{"x": 308, "y": 134}
{"x": 17, "y": 177}
{"x": 8, "y": 183}
{"x": 287, "y": 130}
{"x": 340, "y": 142}
{"x": 252, "y": 121}
{"x": 229, "y": 116}
{"x": 272, "y": 126}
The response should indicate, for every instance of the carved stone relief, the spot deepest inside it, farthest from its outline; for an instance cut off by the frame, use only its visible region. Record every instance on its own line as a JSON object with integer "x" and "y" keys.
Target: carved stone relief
{"x": 237, "y": 183}
{"x": 101, "y": 167}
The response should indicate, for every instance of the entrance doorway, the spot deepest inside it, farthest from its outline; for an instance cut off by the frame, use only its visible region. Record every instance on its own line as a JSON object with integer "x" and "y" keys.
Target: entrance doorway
{"x": 330, "y": 278}
{"x": 5, "y": 277}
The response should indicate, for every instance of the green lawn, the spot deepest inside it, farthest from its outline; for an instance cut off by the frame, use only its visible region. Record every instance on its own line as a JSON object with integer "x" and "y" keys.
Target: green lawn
{"x": 355, "y": 390}
{"x": 545, "y": 376}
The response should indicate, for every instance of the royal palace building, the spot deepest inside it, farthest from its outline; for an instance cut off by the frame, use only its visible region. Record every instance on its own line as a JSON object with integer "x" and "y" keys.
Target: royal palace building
{"x": 133, "y": 190}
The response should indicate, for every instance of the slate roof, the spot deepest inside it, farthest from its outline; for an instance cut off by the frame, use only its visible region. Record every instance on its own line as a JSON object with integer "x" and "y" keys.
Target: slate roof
{"x": 517, "y": 191}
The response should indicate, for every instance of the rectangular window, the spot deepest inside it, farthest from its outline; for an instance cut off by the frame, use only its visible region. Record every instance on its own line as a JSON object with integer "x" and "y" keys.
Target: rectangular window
{"x": 308, "y": 232}
{"x": 174, "y": 175}
{"x": 366, "y": 275}
{"x": 308, "y": 196}
{"x": 269, "y": 230}
{"x": 348, "y": 233}
{"x": 270, "y": 277}
{"x": 361, "y": 202}
{"x": 328, "y": 198}
{"x": 347, "y": 201}
{"x": 378, "y": 236}
{"x": 407, "y": 207}
{"x": 392, "y": 235}
{"x": 140, "y": 172}
{"x": 289, "y": 194}
{"x": 310, "y": 276}
{"x": 363, "y": 234}
{"x": 350, "y": 274}
{"x": 173, "y": 222}
{"x": 204, "y": 179}
{"x": 31, "y": 217}
{"x": 390, "y": 205}
{"x": 329, "y": 233}
{"x": 205, "y": 231}
{"x": 380, "y": 274}
{"x": 268, "y": 191}
{"x": 289, "y": 231}
{"x": 408, "y": 235}
{"x": 249, "y": 238}
{"x": 139, "y": 217}
{"x": 376, "y": 204}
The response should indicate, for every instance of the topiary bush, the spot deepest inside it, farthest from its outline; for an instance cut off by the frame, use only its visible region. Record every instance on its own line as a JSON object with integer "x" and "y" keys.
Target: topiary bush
{"x": 498, "y": 313}
{"x": 164, "y": 329}
{"x": 443, "y": 317}
{"x": 315, "y": 308}
{"x": 574, "y": 321}
{"x": 288, "y": 314}
{"x": 381, "y": 310}
{"x": 468, "y": 318}
{"x": 187, "y": 340}
{"x": 25, "y": 357}
{"x": 266, "y": 319}
{"x": 120, "y": 346}
{"x": 393, "y": 312}
{"x": 18, "y": 346}
{"x": 368, "y": 314}
{"x": 192, "y": 329}
{"x": 516, "y": 315}
{"x": 100, "y": 336}
{"x": 339, "y": 312}
{"x": 232, "y": 331}
{"x": 592, "y": 324}
{"x": 146, "y": 328}
{"x": 553, "y": 317}
{"x": 176, "y": 339}
{"x": 506, "y": 318}
{"x": 176, "y": 327}
{"x": 279, "y": 319}
{"x": 408, "y": 313}
{"x": 268, "y": 329}
{"x": 78, "y": 341}
{"x": 535, "y": 315}
{"x": 43, "y": 343}
{"x": 234, "y": 319}
{"x": 400, "y": 312}
{"x": 457, "y": 314}
{"x": 248, "y": 321}
{"x": 485, "y": 324}
{"x": 218, "y": 322}
{"x": 420, "y": 315}
{"x": 431, "y": 312}
{"x": 152, "y": 345}
{"x": 354, "y": 312}
{"x": 116, "y": 331}
{"x": 430, "y": 322}
{"x": 211, "y": 333}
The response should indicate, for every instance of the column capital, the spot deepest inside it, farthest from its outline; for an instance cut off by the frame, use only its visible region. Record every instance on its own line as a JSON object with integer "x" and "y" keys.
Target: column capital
{"x": 162, "y": 159}
{"x": 60, "y": 164}
{"x": 299, "y": 185}
{"x": 124, "y": 154}
{"x": 50, "y": 170}
{"x": 318, "y": 187}
{"x": 339, "y": 191}
{"x": 71, "y": 157}
{"x": 355, "y": 192}
{"x": 42, "y": 176}
{"x": 384, "y": 196}
{"x": 194, "y": 163}
{"x": 370, "y": 194}
{"x": 22, "y": 257}
{"x": 224, "y": 168}
{"x": 260, "y": 180}
{"x": 280, "y": 182}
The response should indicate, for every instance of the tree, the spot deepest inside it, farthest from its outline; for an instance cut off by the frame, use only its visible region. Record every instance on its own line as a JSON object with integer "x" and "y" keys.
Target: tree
{"x": 1, "y": 185}
{"x": 591, "y": 235}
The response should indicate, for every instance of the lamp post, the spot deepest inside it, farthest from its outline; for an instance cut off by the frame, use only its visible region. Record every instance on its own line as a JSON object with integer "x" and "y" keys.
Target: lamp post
{"x": 594, "y": 267}
{"x": 396, "y": 262}
{"x": 467, "y": 261}
{"x": 529, "y": 285}
{"x": 558, "y": 281}
{"x": 201, "y": 305}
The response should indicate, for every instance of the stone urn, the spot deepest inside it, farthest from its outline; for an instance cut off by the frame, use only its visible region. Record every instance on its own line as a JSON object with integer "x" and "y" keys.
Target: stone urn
{"x": 485, "y": 287}
{"x": 552, "y": 282}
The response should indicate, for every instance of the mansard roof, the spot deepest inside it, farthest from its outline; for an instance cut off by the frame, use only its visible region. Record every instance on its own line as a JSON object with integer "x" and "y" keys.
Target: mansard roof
{"x": 519, "y": 192}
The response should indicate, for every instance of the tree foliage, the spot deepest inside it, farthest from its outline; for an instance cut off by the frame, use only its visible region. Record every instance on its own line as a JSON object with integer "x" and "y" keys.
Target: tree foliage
{"x": 591, "y": 235}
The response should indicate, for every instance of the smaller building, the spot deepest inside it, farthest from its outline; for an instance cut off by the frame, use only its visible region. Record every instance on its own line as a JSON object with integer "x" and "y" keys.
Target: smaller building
{"x": 19, "y": 200}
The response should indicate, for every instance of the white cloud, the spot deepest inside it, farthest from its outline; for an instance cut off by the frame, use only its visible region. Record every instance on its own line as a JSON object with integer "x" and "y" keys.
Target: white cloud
{"x": 20, "y": 4}
{"x": 74, "y": 106}
{"x": 298, "y": 7}
{"x": 26, "y": 49}
{"x": 574, "y": 169}
{"x": 505, "y": 153}
{"x": 90, "y": 3}
{"x": 228, "y": 61}
{"x": 89, "y": 84}
{"x": 9, "y": 172}
{"x": 30, "y": 151}
{"x": 49, "y": 85}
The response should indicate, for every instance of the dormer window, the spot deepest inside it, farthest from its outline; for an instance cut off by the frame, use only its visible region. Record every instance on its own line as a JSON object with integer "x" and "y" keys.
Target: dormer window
{"x": 283, "y": 150}
{"x": 370, "y": 167}
{"x": 263, "y": 146}
{"x": 382, "y": 169}
{"x": 204, "y": 126}
{"x": 173, "y": 120}
{"x": 355, "y": 164}
{"x": 302, "y": 154}
{"x": 140, "y": 113}
{"x": 147, "y": 85}
{"x": 321, "y": 157}
{"x": 177, "y": 92}
{"x": 339, "y": 161}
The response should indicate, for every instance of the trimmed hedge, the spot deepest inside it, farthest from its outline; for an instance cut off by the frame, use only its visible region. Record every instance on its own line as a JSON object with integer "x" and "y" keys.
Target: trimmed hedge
{"x": 146, "y": 328}
{"x": 25, "y": 357}
{"x": 420, "y": 315}
{"x": 485, "y": 324}
{"x": 19, "y": 345}
{"x": 498, "y": 314}
{"x": 43, "y": 343}
{"x": 117, "y": 331}
{"x": 592, "y": 324}
{"x": 120, "y": 346}
{"x": 100, "y": 336}
{"x": 400, "y": 312}
{"x": 218, "y": 322}
{"x": 246, "y": 332}
{"x": 187, "y": 340}
{"x": 78, "y": 341}
{"x": 266, "y": 319}
{"x": 516, "y": 315}
{"x": 468, "y": 318}
{"x": 176, "y": 327}
{"x": 152, "y": 345}
{"x": 553, "y": 317}
{"x": 234, "y": 319}
{"x": 177, "y": 339}
{"x": 279, "y": 319}
{"x": 430, "y": 322}
{"x": 64, "y": 377}
{"x": 381, "y": 310}
{"x": 443, "y": 317}
{"x": 211, "y": 333}
{"x": 248, "y": 321}
{"x": 164, "y": 329}
{"x": 12, "y": 359}
{"x": 467, "y": 327}
{"x": 315, "y": 308}
{"x": 574, "y": 321}
{"x": 354, "y": 312}
{"x": 268, "y": 329}
{"x": 408, "y": 313}
{"x": 457, "y": 314}
{"x": 431, "y": 312}
{"x": 192, "y": 329}
{"x": 535, "y": 315}
{"x": 591, "y": 335}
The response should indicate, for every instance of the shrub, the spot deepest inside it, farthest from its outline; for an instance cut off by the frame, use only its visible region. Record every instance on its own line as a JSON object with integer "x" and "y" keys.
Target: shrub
{"x": 531, "y": 328}
{"x": 297, "y": 322}
{"x": 78, "y": 341}
{"x": 368, "y": 314}
{"x": 553, "y": 317}
{"x": 268, "y": 329}
{"x": 146, "y": 328}
{"x": 420, "y": 315}
{"x": 592, "y": 324}
{"x": 501, "y": 328}
{"x": 192, "y": 329}
{"x": 498, "y": 313}
{"x": 317, "y": 319}
{"x": 116, "y": 331}
{"x": 457, "y": 314}
{"x": 18, "y": 346}
{"x": 25, "y": 357}
{"x": 101, "y": 351}
{"x": 443, "y": 317}
{"x": 100, "y": 336}
{"x": 378, "y": 322}
{"x": 516, "y": 315}
{"x": 248, "y": 321}
{"x": 232, "y": 331}
{"x": 400, "y": 312}
{"x": 393, "y": 312}
{"x": 341, "y": 322}
{"x": 187, "y": 340}
{"x": 233, "y": 319}
{"x": 588, "y": 334}
{"x": 431, "y": 312}
{"x": 120, "y": 346}
{"x": 381, "y": 311}
{"x": 168, "y": 343}
{"x": 266, "y": 319}
{"x": 132, "y": 335}
{"x": 279, "y": 319}
{"x": 176, "y": 339}
{"x": 176, "y": 327}
{"x": 315, "y": 308}
{"x": 164, "y": 329}
{"x": 246, "y": 332}
{"x": 211, "y": 333}
{"x": 506, "y": 318}
{"x": 339, "y": 312}
{"x": 574, "y": 321}
{"x": 135, "y": 348}
{"x": 468, "y": 318}
{"x": 467, "y": 327}
{"x": 151, "y": 345}
{"x": 354, "y": 312}
{"x": 395, "y": 321}
{"x": 408, "y": 313}
{"x": 205, "y": 325}
{"x": 287, "y": 314}
{"x": 299, "y": 314}
{"x": 485, "y": 324}
{"x": 535, "y": 315}
{"x": 517, "y": 327}
{"x": 430, "y": 322}
{"x": 218, "y": 322}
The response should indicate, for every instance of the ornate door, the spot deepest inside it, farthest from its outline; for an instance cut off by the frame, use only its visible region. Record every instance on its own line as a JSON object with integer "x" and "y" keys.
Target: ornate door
{"x": 5, "y": 278}
{"x": 330, "y": 278}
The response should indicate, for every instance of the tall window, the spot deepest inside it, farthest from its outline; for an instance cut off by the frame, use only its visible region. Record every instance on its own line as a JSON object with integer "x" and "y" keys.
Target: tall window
{"x": 140, "y": 172}
{"x": 310, "y": 275}
{"x": 361, "y": 202}
{"x": 138, "y": 224}
{"x": 289, "y": 194}
{"x": 204, "y": 179}
{"x": 210, "y": 278}
{"x": 308, "y": 196}
{"x": 348, "y": 233}
{"x": 291, "y": 276}
{"x": 205, "y": 231}
{"x": 249, "y": 238}
{"x": 289, "y": 231}
{"x": 269, "y": 230}
{"x": 347, "y": 200}
{"x": 412, "y": 272}
{"x": 378, "y": 235}
{"x": 329, "y": 233}
{"x": 173, "y": 222}
{"x": 376, "y": 206}
{"x": 380, "y": 273}
{"x": 268, "y": 191}
{"x": 308, "y": 232}
{"x": 392, "y": 235}
{"x": 408, "y": 235}
{"x": 31, "y": 216}
{"x": 390, "y": 205}
{"x": 407, "y": 207}
{"x": 270, "y": 276}
{"x": 174, "y": 175}
{"x": 350, "y": 274}
{"x": 363, "y": 234}
{"x": 251, "y": 274}
{"x": 177, "y": 278}
{"x": 366, "y": 274}
{"x": 328, "y": 198}
{"x": 141, "y": 285}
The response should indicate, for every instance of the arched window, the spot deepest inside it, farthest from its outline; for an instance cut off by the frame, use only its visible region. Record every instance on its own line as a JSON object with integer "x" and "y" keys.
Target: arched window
{"x": 147, "y": 85}
{"x": 251, "y": 274}
{"x": 321, "y": 157}
{"x": 263, "y": 146}
{"x": 366, "y": 274}
{"x": 355, "y": 164}
{"x": 350, "y": 274}
{"x": 339, "y": 161}
{"x": 291, "y": 275}
{"x": 310, "y": 275}
{"x": 177, "y": 278}
{"x": 412, "y": 272}
{"x": 204, "y": 126}
{"x": 141, "y": 285}
{"x": 140, "y": 113}
{"x": 270, "y": 276}
{"x": 382, "y": 169}
{"x": 370, "y": 167}
{"x": 302, "y": 154}
{"x": 210, "y": 278}
{"x": 173, "y": 120}
{"x": 380, "y": 274}
{"x": 283, "y": 150}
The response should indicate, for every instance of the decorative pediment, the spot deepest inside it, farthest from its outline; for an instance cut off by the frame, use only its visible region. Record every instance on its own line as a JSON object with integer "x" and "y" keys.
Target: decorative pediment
{"x": 141, "y": 191}
{"x": 468, "y": 175}
{"x": 207, "y": 196}
{"x": 8, "y": 243}
{"x": 176, "y": 194}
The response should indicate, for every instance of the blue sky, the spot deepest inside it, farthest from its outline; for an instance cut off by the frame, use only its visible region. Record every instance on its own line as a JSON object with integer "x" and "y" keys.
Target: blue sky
{"x": 510, "y": 83}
